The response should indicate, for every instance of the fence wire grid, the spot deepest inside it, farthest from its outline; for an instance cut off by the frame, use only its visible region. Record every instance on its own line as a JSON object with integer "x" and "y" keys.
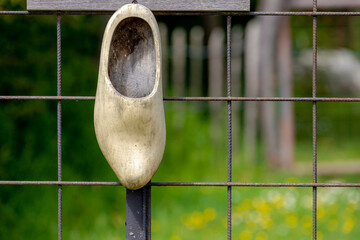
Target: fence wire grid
{"x": 229, "y": 99}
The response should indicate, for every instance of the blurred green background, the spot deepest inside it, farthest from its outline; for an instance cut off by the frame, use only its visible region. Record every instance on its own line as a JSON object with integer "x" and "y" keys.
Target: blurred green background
{"x": 28, "y": 147}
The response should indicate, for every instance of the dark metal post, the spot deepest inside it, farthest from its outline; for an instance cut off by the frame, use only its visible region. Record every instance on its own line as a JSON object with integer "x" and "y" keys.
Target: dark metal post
{"x": 138, "y": 214}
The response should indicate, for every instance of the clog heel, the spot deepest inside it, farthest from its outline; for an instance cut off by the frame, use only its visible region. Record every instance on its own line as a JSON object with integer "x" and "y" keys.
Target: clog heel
{"x": 129, "y": 112}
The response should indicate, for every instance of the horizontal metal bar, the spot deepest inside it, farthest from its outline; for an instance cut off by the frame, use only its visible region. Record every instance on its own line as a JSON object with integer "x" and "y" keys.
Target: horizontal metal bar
{"x": 63, "y": 183}
{"x": 325, "y": 4}
{"x": 182, "y": 13}
{"x": 239, "y": 184}
{"x": 56, "y": 12}
{"x": 221, "y": 13}
{"x": 183, "y": 184}
{"x": 263, "y": 99}
{"x": 47, "y": 98}
{"x": 221, "y": 99}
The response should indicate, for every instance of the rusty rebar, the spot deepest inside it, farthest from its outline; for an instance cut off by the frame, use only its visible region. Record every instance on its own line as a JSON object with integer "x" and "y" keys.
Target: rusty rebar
{"x": 59, "y": 117}
{"x": 229, "y": 128}
{"x": 201, "y": 99}
{"x": 314, "y": 120}
{"x": 188, "y": 184}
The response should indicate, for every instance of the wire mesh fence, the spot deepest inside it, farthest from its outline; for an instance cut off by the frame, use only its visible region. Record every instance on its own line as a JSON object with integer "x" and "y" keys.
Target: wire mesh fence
{"x": 228, "y": 99}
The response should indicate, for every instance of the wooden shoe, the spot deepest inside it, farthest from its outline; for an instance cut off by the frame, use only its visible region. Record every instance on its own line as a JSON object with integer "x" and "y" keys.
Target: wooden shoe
{"x": 129, "y": 112}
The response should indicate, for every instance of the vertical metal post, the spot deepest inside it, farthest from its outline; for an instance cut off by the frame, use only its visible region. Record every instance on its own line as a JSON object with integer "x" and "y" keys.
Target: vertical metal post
{"x": 314, "y": 119}
{"x": 138, "y": 214}
{"x": 58, "y": 27}
{"x": 229, "y": 113}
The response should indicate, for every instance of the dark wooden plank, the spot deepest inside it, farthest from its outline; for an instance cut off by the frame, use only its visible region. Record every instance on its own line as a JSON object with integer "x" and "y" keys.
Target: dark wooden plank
{"x": 154, "y": 5}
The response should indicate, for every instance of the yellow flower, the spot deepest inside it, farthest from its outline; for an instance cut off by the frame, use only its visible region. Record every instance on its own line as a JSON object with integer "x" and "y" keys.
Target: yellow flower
{"x": 292, "y": 180}
{"x": 194, "y": 220}
{"x": 348, "y": 225}
{"x": 238, "y": 209}
{"x": 319, "y": 235}
{"x": 198, "y": 219}
{"x": 261, "y": 206}
{"x": 278, "y": 200}
{"x": 266, "y": 222}
{"x": 175, "y": 238}
{"x": 292, "y": 221}
{"x": 224, "y": 222}
{"x": 351, "y": 207}
{"x": 250, "y": 224}
{"x": 261, "y": 236}
{"x": 209, "y": 214}
{"x": 246, "y": 235}
{"x": 246, "y": 205}
{"x": 306, "y": 221}
{"x": 320, "y": 212}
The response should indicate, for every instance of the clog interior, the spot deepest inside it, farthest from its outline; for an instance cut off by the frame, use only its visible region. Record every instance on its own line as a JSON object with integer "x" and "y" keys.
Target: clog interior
{"x": 132, "y": 61}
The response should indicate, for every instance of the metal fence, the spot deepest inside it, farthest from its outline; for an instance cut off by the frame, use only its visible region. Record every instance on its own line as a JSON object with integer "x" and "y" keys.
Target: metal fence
{"x": 138, "y": 202}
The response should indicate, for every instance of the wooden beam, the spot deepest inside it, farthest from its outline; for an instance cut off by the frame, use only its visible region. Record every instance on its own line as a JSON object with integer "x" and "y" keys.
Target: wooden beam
{"x": 324, "y": 4}
{"x": 154, "y": 5}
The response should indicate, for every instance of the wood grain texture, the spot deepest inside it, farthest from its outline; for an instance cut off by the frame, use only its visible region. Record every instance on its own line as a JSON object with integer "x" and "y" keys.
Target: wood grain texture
{"x": 154, "y": 5}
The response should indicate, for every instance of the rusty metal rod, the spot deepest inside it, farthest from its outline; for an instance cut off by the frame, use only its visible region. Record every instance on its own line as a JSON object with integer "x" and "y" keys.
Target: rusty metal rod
{"x": 184, "y": 184}
{"x": 59, "y": 125}
{"x": 47, "y": 98}
{"x": 181, "y": 99}
{"x": 229, "y": 127}
{"x": 314, "y": 120}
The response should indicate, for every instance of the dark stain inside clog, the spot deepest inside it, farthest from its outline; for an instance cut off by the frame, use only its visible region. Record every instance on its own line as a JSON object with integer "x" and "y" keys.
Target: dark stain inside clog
{"x": 132, "y": 60}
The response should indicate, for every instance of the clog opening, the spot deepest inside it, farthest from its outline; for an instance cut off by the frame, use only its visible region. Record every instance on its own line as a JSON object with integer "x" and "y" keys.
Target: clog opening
{"x": 132, "y": 58}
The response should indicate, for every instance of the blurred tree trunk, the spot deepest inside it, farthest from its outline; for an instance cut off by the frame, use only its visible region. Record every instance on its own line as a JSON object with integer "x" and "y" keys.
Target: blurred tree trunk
{"x": 269, "y": 30}
{"x": 252, "y": 60}
{"x": 216, "y": 82}
{"x": 285, "y": 73}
